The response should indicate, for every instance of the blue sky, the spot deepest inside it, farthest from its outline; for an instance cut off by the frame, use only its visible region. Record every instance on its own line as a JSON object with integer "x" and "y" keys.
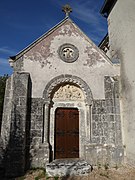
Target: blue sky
{"x": 23, "y": 21}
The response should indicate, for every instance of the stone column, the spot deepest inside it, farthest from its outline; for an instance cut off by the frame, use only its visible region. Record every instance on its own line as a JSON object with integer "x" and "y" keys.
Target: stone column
{"x": 41, "y": 154}
{"x": 88, "y": 116}
{"x": 44, "y": 152}
{"x": 46, "y": 122}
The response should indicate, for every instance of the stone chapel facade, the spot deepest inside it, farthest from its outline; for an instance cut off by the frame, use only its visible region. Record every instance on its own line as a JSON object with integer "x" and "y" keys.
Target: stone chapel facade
{"x": 62, "y": 101}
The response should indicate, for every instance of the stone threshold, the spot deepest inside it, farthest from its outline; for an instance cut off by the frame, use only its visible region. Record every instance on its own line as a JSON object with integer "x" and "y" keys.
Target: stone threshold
{"x": 68, "y": 167}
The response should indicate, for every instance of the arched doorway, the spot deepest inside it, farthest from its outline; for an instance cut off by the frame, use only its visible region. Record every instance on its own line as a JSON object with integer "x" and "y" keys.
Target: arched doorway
{"x": 65, "y": 117}
{"x": 67, "y": 94}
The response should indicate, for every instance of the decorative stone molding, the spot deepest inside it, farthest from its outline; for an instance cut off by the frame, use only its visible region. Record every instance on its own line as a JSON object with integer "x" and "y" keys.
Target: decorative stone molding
{"x": 68, "y": 92}
{"x": 68, "y": 53}
{"x": 65, "y": 79}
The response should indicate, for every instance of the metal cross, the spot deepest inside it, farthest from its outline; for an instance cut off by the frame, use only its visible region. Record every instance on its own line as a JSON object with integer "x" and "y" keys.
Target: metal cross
{"x": 67, "y": 9}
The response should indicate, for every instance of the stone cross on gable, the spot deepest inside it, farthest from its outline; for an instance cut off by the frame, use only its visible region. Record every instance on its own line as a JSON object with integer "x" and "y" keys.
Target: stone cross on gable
{"x": 67, "y": 9}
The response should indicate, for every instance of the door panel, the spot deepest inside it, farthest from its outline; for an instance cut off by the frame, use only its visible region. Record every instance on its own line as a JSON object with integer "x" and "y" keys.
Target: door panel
{"x": 66, "y": 133}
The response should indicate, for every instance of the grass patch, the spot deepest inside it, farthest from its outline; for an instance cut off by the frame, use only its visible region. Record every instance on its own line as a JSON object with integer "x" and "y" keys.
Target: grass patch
{"x": 56, "y": 178}
{"x": 105, "y": 174}
{"x": 106, "y": 166}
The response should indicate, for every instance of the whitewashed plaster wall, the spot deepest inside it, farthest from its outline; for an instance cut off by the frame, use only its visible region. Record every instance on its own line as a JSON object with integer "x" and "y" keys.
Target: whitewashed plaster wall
{"x": 43, "y": 62}
{"x": 121, "y": 25}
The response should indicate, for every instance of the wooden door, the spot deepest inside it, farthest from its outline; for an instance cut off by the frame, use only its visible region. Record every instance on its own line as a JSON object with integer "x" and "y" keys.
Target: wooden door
{"x": 66, "y": 133}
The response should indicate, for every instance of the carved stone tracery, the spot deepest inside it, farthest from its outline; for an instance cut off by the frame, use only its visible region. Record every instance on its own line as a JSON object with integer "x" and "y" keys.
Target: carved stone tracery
{"x": 68, "y": 92}
{"x": 68, "y": 52}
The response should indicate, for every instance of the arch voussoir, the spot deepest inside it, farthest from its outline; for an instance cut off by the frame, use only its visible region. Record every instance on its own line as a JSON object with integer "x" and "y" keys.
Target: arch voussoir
{"x": 67, "y": 78}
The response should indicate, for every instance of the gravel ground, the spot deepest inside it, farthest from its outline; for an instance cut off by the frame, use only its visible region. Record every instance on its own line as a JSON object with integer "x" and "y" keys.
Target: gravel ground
{"x": 118, "y": 173}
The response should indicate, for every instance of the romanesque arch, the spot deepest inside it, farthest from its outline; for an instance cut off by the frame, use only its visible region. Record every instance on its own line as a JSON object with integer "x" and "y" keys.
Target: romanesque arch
{"x": 84, "y": 108}
{"x": 68, "y": 79}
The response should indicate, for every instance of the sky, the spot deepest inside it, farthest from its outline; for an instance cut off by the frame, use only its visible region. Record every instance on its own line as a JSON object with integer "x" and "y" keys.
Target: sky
{"x": 23, "y": 21}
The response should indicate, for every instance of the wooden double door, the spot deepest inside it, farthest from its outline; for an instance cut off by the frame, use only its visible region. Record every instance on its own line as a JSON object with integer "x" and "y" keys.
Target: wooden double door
{"x": 66, "y": 140}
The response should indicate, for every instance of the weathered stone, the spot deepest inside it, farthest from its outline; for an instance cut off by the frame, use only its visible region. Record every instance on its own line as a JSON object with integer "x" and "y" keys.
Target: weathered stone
{"x": 16, "y": 136}
{"x": 68, "y": 168}
{"x": 42, "y": 83}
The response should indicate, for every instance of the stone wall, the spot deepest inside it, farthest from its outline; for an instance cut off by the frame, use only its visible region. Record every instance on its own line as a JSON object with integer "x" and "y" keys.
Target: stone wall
{"x": 106, "y": 142}
{"x": 106, "y": 127}
{"x": 25, "y": 143}
{"x": 121, "y": 29}
{"x": 14, "y": 124}
{"x": 5, "y": 129}
{"x": 39, "y": 153}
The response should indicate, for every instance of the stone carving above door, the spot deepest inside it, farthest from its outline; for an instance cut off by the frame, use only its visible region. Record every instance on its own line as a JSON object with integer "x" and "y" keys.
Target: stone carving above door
{"x": 68, "y": 92}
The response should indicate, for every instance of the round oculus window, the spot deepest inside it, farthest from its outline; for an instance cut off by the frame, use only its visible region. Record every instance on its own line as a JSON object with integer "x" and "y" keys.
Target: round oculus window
{"x": 68, "y": 53}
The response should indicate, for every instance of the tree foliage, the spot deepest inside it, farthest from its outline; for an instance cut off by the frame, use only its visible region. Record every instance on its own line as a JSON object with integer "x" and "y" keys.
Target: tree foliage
{"x": 2, "y": 93}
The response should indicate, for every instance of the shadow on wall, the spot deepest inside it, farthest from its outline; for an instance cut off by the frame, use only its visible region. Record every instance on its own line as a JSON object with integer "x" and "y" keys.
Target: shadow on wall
{"x": 15, "y": 159}
{"x": 2, "y": 93}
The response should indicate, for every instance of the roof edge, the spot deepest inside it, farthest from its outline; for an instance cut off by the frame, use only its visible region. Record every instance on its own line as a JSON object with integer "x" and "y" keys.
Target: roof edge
{"x": 21, "y": 53}
{"x": 107, "y": 7}
{"x": 102, "y": 41}
{"x": 27, "y": 48}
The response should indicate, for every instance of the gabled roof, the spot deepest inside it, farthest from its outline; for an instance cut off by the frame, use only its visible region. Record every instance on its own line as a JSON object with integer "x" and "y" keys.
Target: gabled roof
{"x": 21, "y": 53}
{"x": 107, "y": 7}
{"x": 17, "y": 56}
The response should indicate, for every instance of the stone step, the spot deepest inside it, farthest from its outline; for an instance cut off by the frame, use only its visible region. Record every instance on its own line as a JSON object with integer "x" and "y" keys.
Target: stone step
{"x": 68, "y": 167}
